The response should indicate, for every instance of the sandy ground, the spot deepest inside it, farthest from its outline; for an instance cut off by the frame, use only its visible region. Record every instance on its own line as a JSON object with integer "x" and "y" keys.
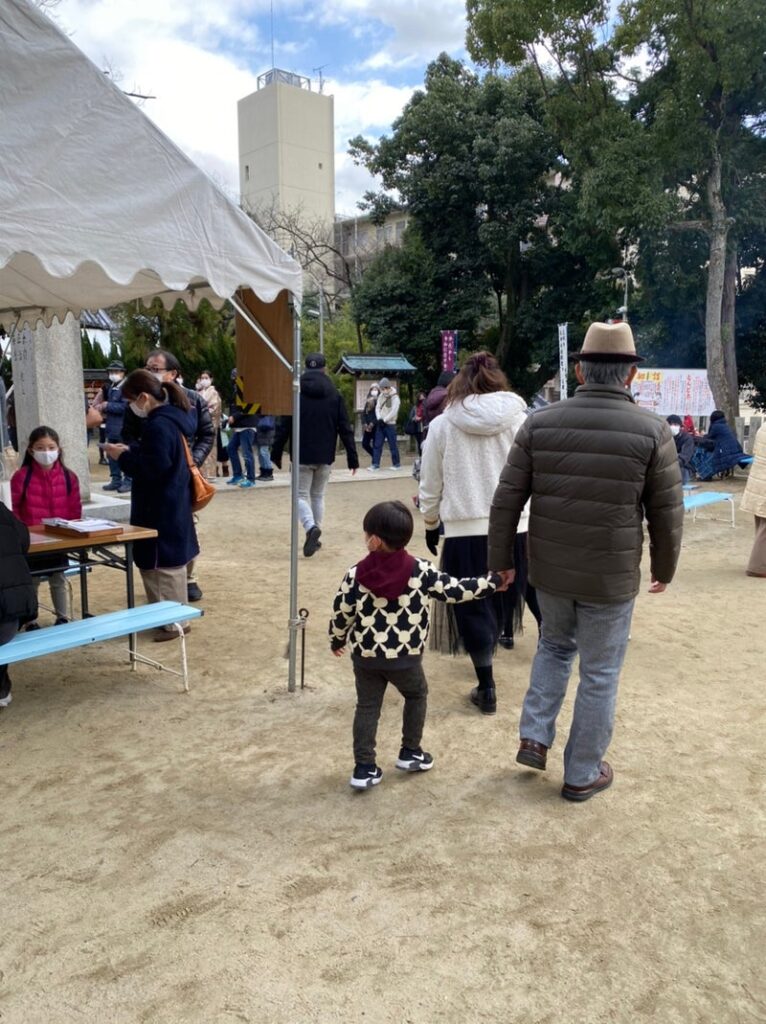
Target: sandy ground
{"x": 201, "y": 858}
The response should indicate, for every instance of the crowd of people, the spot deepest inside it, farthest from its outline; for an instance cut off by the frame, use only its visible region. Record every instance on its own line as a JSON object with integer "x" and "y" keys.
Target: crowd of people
{"x": 540, "y": 511}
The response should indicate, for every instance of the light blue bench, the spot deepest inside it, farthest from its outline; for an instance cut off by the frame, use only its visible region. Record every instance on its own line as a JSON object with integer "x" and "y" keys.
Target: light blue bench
{"x": 109, "y": 626}
{"x": 693, "y": 502}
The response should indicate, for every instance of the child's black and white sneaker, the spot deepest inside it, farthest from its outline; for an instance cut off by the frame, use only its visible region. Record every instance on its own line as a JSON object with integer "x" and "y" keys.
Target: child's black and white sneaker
{"x": 366, "y": 775}
{"x": 414, "y": 760}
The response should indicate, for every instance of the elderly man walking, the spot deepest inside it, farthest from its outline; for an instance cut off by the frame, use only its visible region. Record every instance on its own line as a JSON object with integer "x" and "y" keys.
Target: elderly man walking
{"x": 594, "y": 467}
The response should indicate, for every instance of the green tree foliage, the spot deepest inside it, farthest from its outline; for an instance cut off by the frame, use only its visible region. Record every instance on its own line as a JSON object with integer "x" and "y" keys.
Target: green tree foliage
{"x": 93, "y": 356}
{"x": 201, "y": 339}
{"x": 496, "y": 250}
{"x": 676, "y": 145}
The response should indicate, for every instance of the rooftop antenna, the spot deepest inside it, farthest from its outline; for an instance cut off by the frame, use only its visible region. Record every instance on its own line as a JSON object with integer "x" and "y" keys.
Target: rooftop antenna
{"x": 319, "y": 71}
{"x": 272, "y": 36}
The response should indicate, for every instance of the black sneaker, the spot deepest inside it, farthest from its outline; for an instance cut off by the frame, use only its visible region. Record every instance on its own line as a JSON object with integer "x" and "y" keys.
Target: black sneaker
{"x": 485, "y": 700}
{"x": 193, "y": 592}
{"x": 365, "y": 776}
{"x": 506, "y": 640}
{"x": 265, "y": 476}
{"x": 61, "y": 621}
{"x": 312, "y": 541}
{"x": 414, "y": 760}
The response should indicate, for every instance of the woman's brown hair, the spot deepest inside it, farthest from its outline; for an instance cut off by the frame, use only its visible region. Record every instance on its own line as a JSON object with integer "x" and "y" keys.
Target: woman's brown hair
{"x": 141, "y": 382}
{"x": 480, "y": 375}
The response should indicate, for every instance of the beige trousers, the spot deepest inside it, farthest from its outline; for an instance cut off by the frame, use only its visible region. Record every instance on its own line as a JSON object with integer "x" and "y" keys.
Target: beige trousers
{"x": 757, "y": 564}
{"x": 165, "y": 585}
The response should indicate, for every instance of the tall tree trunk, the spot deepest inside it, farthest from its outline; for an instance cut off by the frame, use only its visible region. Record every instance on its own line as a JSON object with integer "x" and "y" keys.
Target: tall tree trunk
{"x": 728, "y": 323}
{"x": 714, "y": 342}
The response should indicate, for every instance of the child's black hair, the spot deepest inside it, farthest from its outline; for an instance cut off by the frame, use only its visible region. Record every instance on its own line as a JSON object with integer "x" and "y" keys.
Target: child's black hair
{"x": 392, "y": 522}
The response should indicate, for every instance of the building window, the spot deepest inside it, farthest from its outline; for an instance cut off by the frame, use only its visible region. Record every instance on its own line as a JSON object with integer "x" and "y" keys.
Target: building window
{"x": 320, "y": 166}
{"x": 247, "y": 172}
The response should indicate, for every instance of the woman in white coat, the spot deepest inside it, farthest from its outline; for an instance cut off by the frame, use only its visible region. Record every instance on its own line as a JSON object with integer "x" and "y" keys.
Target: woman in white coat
{"x": 754, "y": 501}
{"x": 466, "y": 449}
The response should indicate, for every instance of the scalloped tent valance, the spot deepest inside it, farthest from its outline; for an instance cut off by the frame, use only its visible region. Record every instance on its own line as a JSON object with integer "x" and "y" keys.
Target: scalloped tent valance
{"x": 97, "y": 206}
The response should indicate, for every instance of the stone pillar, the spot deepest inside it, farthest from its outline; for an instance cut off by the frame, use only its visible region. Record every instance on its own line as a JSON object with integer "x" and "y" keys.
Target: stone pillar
{"x": 48, "y": 389}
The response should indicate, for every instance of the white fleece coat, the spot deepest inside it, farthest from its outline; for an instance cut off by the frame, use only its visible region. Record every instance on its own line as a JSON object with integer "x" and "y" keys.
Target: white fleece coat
{"x": 463, "y": 456}
{"x": 387, "y": 407}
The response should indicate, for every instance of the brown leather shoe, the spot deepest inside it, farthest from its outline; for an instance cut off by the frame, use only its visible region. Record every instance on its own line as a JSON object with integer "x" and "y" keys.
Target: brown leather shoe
{"x": 580, "y": 793}
{"x": 532, "y": 754}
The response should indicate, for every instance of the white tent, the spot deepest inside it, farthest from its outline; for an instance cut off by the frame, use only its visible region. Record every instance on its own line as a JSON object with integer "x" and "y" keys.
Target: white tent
{"x": 98, "y": 207}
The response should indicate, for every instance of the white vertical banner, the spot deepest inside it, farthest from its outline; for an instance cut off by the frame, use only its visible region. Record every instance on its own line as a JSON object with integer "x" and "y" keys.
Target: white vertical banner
{"x": 563, "y": 358}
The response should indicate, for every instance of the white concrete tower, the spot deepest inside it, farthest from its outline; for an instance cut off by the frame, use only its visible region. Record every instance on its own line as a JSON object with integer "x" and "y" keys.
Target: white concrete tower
{"x": 286, "y": 148}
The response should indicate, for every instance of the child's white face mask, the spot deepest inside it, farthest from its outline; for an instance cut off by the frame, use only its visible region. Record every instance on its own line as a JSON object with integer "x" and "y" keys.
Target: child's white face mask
{"x": 675, "y": 430}
{"x": 45, "y": 458}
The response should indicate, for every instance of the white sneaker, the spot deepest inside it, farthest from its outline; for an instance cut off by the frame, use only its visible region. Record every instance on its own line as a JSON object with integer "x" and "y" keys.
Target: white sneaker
{"x": 5, "y": 701}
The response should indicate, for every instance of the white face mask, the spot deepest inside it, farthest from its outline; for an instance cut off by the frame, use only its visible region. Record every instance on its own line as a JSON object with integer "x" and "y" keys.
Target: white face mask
{"x": 159, "y": 375}
{"x": 115, "y": 377}
{"x": 204, "y": 382}
{"x": 675, "y": 430}
{"x": 46, "y": 458}
{"x": 141, "y": 413}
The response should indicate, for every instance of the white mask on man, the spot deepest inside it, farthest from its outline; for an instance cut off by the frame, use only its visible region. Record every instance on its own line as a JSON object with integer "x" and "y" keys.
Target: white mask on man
{"x": 675, "y": 430}
{"x": 115, "y": 377}
{"x": 159, "y": 375}
{"x": 46, "y": 458}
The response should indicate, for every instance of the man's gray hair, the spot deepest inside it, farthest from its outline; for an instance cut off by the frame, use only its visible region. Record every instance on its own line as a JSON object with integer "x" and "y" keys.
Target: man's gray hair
{"x": 613, "y": 374}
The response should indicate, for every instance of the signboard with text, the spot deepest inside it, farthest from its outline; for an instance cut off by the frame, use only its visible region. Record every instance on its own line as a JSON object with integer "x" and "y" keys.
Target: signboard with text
{"x": 673, "y": 392}
{"x": 449, "y": 349}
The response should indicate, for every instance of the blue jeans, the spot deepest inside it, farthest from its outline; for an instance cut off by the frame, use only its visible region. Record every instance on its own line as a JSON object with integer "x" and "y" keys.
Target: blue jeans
{"x": 264, "y": 458}
{"x": 599, "y": 634}
{"x": 242, "y": 439}
{"x": 385, "y": 432}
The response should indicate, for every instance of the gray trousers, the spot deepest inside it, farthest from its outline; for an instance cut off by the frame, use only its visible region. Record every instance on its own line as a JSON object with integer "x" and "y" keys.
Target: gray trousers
{"x": 59, "y": 593}
{"x": 165, "y": 585}
{"x": 312, "y": 483}
{"x": 370, "y": 689}
{"x": 599, "y": 634}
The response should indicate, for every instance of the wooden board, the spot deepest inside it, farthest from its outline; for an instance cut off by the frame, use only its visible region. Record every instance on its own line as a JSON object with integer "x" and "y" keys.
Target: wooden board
{"x": 267, "y": 381}
{"x": 65, "y": 531}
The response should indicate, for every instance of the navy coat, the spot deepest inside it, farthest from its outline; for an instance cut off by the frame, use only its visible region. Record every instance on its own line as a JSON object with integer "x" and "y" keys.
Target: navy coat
{"x": 160, "y": 497}
{"x": 114, "y": 412}
{"x": 727, "y": 451}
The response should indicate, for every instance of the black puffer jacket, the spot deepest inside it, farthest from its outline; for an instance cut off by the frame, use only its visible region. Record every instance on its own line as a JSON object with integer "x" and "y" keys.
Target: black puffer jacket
{"x": 200, "y": 438}
{"x": 18, "y": 597}
{"x": 323, "y": 421}
{"x": 594, "y": 467}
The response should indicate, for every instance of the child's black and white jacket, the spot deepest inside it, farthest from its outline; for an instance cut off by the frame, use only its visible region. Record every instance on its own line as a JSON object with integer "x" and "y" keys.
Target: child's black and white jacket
{"x": 394, "y": 632}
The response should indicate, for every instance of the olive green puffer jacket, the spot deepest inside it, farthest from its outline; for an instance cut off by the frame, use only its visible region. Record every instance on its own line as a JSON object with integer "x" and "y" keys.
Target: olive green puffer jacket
{"x": 594, "y": 467}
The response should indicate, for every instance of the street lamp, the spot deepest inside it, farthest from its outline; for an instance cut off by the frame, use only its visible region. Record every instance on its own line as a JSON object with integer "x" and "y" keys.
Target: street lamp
{"x": 621, "y": 272}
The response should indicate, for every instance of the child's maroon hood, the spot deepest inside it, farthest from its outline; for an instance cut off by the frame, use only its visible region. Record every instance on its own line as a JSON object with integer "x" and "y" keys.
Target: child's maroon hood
{"x": 386, "y": 573}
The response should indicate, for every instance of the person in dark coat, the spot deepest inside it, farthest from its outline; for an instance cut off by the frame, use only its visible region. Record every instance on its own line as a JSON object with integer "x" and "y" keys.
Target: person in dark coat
{"x": 684, "y": 447}
{"x": 243, "y": 424}
{"x": 18, "y": 594}
{"x": 201, "y": 433}
{"x": 721, "y": 445}
{"x": 370, "y": 419}
{"x": 112, "y": 405}
{"x": 595, "y": 467}
{"x": 436, "y": 399}
{"x": 161, "y": 494}
{"x": 264, "y": 439}
{"x": 323, "y": 419}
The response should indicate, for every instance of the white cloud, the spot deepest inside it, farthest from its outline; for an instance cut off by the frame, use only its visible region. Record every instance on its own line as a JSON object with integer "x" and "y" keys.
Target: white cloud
{"x": 196, "y": 57}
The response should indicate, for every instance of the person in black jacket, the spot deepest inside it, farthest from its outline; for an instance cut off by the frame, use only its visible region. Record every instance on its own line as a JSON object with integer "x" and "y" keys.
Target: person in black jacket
{"x": 201, "y": 435}
{"x": 684, "y": 447}
{"x": 323, "y": 419}
{"x": 161, "y": 494}
{"x": 18, "y": 594}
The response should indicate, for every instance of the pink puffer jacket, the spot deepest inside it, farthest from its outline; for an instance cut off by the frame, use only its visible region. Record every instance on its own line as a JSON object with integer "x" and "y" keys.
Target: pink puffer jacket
{"x": 46, "y": 495}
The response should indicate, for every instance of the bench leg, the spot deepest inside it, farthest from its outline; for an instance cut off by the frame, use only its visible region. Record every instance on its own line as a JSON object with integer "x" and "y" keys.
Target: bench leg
{"x": 731, "y": 505}
{"x": 184, "y": 666}
{"x": 136, "y": 658}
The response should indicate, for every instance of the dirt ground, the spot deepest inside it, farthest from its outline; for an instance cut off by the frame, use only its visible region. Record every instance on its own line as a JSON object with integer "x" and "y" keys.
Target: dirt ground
{"x": 201, "y": 858}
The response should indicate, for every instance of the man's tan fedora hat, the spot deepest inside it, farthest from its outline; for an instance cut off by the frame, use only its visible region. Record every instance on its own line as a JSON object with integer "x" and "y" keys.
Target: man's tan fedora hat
{"x": 608, "y": 343}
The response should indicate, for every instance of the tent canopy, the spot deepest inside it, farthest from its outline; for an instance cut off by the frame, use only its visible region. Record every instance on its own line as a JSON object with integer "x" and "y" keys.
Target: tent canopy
{"x": 97, "y": 206}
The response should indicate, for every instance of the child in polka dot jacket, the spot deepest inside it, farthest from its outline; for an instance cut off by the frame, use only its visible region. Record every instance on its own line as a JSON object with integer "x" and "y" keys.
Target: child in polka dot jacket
{"x": 381, "y": 611}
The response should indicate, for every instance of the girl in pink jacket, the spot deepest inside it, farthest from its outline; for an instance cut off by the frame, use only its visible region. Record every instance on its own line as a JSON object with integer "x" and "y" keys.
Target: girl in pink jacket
{"x": 43, "y": 488}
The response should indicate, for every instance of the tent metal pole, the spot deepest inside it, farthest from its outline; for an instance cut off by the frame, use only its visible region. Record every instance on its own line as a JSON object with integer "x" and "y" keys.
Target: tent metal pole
{"x": 244, "y": 313}
{"x": 296, "y": 622}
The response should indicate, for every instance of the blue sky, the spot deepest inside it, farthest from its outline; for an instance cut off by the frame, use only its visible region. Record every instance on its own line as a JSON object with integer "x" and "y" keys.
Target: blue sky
{"x": 198, "y": 57}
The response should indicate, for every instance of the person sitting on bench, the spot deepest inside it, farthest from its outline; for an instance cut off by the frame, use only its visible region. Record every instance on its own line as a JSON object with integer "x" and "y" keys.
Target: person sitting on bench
{"x": 18, "y": 594}
{"x": 721, "y": 443}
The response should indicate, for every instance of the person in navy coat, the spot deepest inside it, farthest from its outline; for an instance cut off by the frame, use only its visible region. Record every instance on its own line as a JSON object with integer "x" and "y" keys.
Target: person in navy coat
{"x": 718, "y": 450}
{"x": 161, "y": 493}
